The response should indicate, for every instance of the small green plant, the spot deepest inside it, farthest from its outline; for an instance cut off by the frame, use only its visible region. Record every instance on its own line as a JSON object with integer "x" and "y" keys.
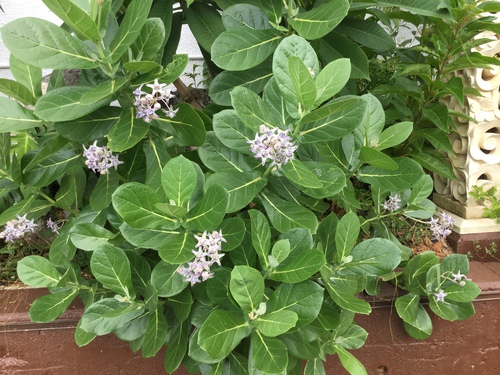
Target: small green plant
{"x": 490, "y": 199}
{"x": 485, "y": 251}
{"x": 200, "y": 79}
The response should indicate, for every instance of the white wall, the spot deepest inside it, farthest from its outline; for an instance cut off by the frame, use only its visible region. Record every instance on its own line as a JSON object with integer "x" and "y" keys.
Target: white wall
{"x": 36, "y": 8}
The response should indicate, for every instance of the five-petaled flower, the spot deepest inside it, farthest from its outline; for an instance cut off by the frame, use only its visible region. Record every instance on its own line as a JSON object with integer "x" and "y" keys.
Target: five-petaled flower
{"x": 273, "y": 144}
{"x": 440, "y": 296}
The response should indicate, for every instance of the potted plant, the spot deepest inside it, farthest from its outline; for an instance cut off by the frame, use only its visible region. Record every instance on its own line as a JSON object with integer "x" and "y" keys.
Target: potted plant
{"x": 240, "y": 236}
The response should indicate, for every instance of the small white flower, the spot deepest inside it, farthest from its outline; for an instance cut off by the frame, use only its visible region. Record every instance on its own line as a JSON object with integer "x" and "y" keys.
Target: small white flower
{"x": 440, "y": 296}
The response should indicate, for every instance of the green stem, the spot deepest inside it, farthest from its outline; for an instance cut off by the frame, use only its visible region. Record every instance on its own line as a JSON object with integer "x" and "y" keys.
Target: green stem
{"x": 46, "y": 197}
{"x": 267, "y": 172}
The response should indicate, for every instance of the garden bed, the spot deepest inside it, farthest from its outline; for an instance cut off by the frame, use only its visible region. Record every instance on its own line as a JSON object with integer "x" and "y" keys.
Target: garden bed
{"x": 469, "y": 346}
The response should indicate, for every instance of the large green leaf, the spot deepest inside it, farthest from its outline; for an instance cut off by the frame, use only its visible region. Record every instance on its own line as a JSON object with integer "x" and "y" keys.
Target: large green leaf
{"x": 368, "y": 131}
{"x": 89, "y": 236}
{"x": 14, "y": 117}
{"x": 261, "y": 236}
{"x": 394, "y": 135}
{"x": 27, "y": 75}
{"x": 251, "y": 109}
{"x": 127, "y": 131}
{"x": 298, "y": 266}
{"x": 150, "y": 40}
{"x": 111, "y": 267}
{"x": 179, "y": 180}
{"x": 331, "y": 177}
{"x": 245, "y": 15}
{"x": 276, "y": 323}
{"x": 156, "y": 333}
{"x": 404, "y": 177}
{"x": 41, "y": 43}
{"x": 333, "y": 121}
{"x": 88, "y": 128}
{"x": 209, "y": 212}
{"x": 292, "y": 46}
{"x": 107, "y": 315}
{"x": 75, "y": 17}
{"x": 346, "y": 235}
{"x": 285, "y": 215}
{"x": 254, "y": 79}
{"x": 269, "y": 354}
{"x": 407, "y": 307}
{"x": 421, "y": 327}
{"x": 49, "y": 169}
{"x": 335, "y": 46}
{"x": 220, "y": 158}
{"x": 167, "y": 281}
{"x": 415, "y": 272}
{"x": 319, "y": 21}
{"x": 135, "y": 203}
{"x": 367, "y": 33}
{"x": 349, "y": 362}
{"x": 423, "y": 7}
{"x": 177, "y": 342}
{"x": 331, "y": 79}
{"x": 243, "y": 48}
{"x": 232, "y": 132}
{"x": 103, "y": 90}
{"x": 103, "y": 190}
{"x": 222, "y": 331}
{"x": 205, "y": 23}
{"x": 303, "y": 82}
{"x": 303, "y": 298}
{"x": 375, "y": 257}
{"x": 64, "y": 104}
{"x": 178, "y": 249}
{"x": 34, "y": 270}
{"x": 130, "y": 28}
{"x": 247, "y": 287}
{"x": 46, "y": 151}
{"x": 147, "y": 238}
{"x": 299, "y": 174}
{"x": 376, "y": 158}
{"x": 342, "y": 295}
{"x": 16, "y": 91}
{"x": 187, "y": 127}
{"x": 452, "y": 310}
{"x": 49, "y": 307}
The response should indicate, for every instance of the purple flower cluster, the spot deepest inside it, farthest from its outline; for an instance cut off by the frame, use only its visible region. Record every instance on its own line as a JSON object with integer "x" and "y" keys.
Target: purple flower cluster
{"x": 273, "y": 144}
{"x": 206, "y": 254}
{"x": 440, "y": 227}
{"x": 18, "y": 228}
{"x": 147, "y": 104}
{"x": 100, "y": 159}
{"x": 393, "y": 203}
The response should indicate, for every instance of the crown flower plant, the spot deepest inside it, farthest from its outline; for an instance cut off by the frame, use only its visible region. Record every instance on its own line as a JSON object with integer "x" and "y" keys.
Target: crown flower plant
{"x": 239, "y": 237}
